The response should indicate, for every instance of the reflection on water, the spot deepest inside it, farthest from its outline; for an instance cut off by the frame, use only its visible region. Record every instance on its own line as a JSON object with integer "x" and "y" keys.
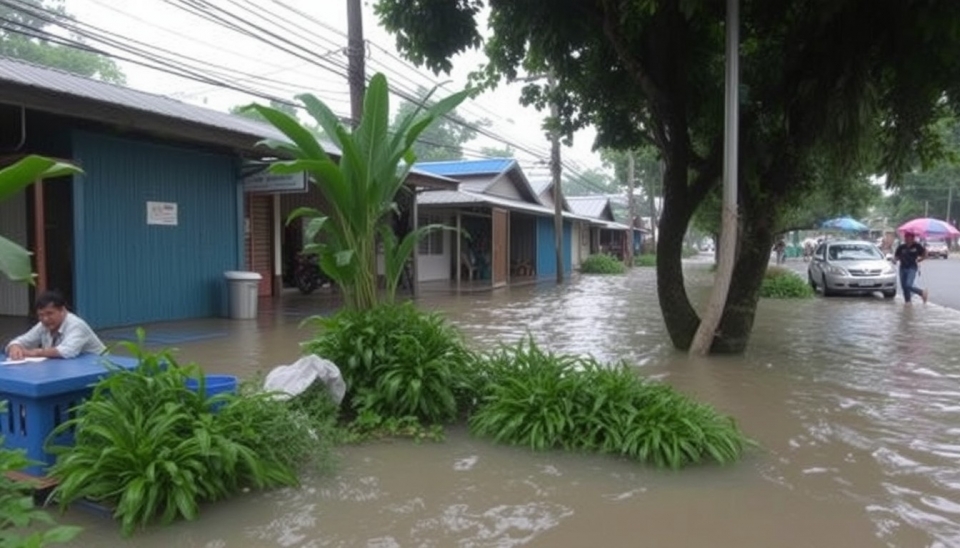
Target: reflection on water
{"x": 854, "y": 403}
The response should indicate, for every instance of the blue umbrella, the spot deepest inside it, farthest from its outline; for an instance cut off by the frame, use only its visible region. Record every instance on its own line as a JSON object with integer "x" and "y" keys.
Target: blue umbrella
{"x": 845, "y": 223}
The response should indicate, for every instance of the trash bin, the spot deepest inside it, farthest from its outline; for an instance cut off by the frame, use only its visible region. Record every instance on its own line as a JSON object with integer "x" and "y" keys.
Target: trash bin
{"x": 243, "y": 287}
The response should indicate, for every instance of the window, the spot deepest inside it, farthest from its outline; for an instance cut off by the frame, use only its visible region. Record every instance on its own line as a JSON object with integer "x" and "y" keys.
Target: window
{"x": 432, "y": 243}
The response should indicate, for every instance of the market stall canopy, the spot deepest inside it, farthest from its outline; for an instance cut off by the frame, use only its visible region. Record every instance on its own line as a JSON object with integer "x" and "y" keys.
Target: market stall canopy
{"x": 845, "y": 223}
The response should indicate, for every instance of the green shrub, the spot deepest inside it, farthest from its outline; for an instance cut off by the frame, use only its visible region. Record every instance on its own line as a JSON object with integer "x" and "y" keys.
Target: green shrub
{"x": 783, "y": 283}
{"x": 397, "y": 361}
{"x": 602, "y": 264}
{"x": 21, "y": 524}
{"x": 689, "y": 251}
{"x": 645, "y": 260}
{"x": 546, "y": 401}
{"x": 149, "y": 447}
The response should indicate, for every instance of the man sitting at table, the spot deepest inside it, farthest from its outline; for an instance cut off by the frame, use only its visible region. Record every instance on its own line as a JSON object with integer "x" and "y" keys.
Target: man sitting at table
{"x": 59, "y": 333}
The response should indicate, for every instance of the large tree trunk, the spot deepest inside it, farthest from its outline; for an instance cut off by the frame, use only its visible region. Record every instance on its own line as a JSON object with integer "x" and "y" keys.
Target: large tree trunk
{"x": 679, "y": 315}
{"x": 753, "y": 256}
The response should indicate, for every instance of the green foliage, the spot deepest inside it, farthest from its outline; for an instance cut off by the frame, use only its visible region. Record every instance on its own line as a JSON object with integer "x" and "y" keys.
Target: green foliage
{"x": 35, "y": 17}
{"x": 647, "y": 259}
{"x": 396, "y": 361}
{"x": 15, "y": 260}
{"x": 21, "y": 524}
{"x": 689, "y": 251}
{"x": 602, "y": 264}
{"x": 783, "y": 283}
{"x": 548, "y": 401}
{"x": 444, "y": 139}
{"x": 361, "y": 189}
{"x": 369, "y": 426}
{"x": 149, "y": 447}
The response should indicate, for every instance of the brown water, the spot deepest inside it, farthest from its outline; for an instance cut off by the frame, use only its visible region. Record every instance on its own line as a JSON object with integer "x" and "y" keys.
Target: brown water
{"x": 854, "y": 403}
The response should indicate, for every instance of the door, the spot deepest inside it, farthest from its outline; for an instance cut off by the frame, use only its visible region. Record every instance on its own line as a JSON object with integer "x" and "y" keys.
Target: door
{"x": 499, "y": 240}
{"x": 260, "y": 240}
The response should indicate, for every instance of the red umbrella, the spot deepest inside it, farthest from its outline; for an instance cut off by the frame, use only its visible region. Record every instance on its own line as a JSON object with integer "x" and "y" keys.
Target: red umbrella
{"x": 929, "y": 228}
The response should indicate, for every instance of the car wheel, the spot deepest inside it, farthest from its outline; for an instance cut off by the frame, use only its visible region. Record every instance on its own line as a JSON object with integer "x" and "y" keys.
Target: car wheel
{"x": 889, "y": 294}
{"x": 813, "y": 284}
{"x": 826, "y": 290}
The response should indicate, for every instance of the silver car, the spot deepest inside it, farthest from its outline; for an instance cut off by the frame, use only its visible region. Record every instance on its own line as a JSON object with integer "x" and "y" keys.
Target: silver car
{"x": 850, "y": 266}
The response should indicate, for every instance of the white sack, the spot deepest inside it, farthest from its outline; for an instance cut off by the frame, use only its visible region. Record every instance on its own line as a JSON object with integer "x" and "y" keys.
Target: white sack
{"x": 296, "y": 378}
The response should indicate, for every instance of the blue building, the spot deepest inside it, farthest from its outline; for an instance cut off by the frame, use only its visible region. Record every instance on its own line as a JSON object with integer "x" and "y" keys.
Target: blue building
{"x": 146, "y": 232}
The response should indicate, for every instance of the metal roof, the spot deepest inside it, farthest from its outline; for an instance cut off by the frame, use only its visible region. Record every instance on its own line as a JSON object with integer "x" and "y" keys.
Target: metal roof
{"x": 590, "y": 206}
{"x": 539, "y": 185}
{"x": 466, "y": 168}
{"x": 454, "y": 198}
{"x": 43, "y": 88}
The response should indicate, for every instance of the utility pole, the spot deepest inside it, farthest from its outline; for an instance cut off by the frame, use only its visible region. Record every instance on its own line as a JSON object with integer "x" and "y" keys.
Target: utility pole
{"x": 727, "y": 249}
{"x": 631, "y": 208}
{"x": 949, "y": 200}
{"x": 356, "y": 51}
{"x": 926, "y": 208}
{"x": 555, "y": 175}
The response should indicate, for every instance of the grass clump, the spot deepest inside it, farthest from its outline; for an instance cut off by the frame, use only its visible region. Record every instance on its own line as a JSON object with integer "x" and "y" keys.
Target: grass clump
{"x": 548, "y": 401}
{"x": 151, "y": 448}
{"x": 602, "y": 264}
{"x": 783, "y": 283}
{"x": 397, "y": 362}
{"x": 647, "y": 259}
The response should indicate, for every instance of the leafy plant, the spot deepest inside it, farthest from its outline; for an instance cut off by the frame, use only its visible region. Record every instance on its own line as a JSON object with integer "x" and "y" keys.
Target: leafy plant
{"x": 360, "y": 190}
{"x": 645, "y": 260}
{"x": 397, "y": 361}
{"x": 150, "y": 447}
{"x": 783, "y": 283}
{"x": 15, "y": 260}
{"x": 544, "y": 401}
{"x": 602, "y": 264}
{"x": 371, "y": 426}
{"x": 21, "y": 524}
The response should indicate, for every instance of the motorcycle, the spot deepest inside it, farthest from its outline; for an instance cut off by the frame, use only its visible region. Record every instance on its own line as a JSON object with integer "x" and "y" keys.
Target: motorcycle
{"x": 308, "y": 276}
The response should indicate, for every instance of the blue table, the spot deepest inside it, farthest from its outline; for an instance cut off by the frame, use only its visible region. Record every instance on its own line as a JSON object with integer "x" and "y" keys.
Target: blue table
{"x": 39, "y": 397}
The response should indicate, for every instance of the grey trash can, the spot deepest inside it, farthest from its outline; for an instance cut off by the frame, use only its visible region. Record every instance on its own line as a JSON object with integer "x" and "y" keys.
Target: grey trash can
{"x": 244, "y": 288}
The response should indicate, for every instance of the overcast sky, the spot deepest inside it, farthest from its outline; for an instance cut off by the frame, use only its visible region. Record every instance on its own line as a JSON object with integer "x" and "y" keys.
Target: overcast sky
{"x": 159, "y": 24}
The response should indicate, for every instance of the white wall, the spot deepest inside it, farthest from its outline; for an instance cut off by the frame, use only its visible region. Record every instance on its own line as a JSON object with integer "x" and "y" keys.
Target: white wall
{"x": 14, "y": 297}
{"x": 436, "y": 267}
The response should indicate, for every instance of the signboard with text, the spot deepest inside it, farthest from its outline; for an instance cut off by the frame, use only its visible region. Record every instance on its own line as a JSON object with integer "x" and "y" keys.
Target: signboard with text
{"x": 272, "y": 182}
{"x": 162, "y": 213}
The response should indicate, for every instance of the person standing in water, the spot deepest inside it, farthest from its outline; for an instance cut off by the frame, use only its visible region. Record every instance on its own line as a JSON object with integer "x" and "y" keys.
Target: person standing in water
{"x": 910, "y": 254}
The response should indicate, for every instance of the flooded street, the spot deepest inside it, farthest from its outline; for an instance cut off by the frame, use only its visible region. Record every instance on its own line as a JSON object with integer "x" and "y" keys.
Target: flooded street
{"x": 854, "y": 404}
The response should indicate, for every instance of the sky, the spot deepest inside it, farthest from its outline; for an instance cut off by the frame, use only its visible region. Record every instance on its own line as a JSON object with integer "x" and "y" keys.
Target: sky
{"x": 321, "y": 26}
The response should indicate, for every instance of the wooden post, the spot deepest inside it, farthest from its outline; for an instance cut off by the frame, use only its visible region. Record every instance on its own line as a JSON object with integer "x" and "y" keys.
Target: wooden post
{"x": 40, "y": 236}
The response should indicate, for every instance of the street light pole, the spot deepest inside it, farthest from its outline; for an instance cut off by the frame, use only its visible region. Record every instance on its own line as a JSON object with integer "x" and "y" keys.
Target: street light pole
{"x": 355, "y": 51}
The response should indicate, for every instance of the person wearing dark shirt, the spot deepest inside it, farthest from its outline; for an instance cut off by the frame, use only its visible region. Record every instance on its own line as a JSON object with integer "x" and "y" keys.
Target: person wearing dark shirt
{"x": 910, "y": 254}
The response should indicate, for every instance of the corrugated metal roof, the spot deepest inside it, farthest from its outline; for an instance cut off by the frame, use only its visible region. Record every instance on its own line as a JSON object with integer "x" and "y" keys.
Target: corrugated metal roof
{"x": 539, "y": 185}
{"x": 589, "y": 206}
{"x": 464, "y": 168}
{"x": 453, "y": 198}
{"x": 63, "y": 82}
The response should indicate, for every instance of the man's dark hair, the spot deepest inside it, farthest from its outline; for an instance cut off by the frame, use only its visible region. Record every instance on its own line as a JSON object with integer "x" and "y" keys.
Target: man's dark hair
{"x": 48, "y": 298}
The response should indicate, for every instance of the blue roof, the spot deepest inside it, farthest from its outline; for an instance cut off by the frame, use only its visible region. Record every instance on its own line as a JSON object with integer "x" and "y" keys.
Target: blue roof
{"x": 466, "y": 168}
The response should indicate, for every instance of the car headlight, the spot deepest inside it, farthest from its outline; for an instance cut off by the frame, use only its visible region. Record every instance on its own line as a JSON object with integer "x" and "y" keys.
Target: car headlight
{"x": 837, "y": 270}
{"x": 887, "y": 270}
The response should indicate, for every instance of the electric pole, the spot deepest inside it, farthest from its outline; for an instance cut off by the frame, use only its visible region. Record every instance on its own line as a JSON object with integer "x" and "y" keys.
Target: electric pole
{"x": 356, "y": 51}
{"x": 949, "y": 200}
{"x": 555, "y": 175}
{"x": 631, "y": 208}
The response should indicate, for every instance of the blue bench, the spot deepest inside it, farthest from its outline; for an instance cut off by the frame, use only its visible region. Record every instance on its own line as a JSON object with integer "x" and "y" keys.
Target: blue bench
{"x": 39, "y": 397}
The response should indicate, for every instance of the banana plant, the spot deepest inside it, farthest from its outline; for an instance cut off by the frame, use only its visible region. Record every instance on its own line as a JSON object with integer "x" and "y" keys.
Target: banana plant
{"x": 361, "y": 189}
{"x": 14, "y": 259}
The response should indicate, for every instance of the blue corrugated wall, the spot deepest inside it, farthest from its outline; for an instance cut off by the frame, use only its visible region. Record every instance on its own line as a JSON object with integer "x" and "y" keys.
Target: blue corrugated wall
{"x": 546, "y": 254}
{"x": 128, "y": 272}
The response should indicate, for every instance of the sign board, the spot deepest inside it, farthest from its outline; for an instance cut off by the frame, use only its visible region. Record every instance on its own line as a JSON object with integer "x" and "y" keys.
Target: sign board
{"x": 162, "y": 213}
{"x": 272, "y": 182}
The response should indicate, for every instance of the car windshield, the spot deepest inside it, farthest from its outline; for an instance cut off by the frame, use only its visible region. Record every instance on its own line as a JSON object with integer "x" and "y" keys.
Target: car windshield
{"x": 854, "y": 252}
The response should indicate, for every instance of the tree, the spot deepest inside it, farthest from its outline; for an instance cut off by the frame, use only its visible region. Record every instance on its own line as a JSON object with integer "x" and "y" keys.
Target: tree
{"x": 443, "y": 140}
{"x": 648, "y": 172}
{"x": 24, "y": 34}
{"x": 246, "y": 112}
{"x": 829, "y": 90}
{"x": 591, "y": 181}
{"x": 361, "y": 190}
{"x": 506, "y": 151}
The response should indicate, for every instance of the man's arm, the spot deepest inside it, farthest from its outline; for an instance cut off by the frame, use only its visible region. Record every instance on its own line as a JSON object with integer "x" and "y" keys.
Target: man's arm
{"x": 27, "y": 341}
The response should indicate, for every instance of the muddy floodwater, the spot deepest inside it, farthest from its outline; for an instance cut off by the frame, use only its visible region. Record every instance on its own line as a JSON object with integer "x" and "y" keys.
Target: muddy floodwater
{"x": 854, "y": 403}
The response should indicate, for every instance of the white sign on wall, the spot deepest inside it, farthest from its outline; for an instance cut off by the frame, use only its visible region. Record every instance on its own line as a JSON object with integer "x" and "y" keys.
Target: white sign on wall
{"x": 162, "y": 213}
{"x": 272, "y": 182}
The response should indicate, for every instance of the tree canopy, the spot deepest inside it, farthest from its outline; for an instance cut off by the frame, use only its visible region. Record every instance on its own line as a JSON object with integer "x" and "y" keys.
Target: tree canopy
{"x": 444, "y": 139}
{"x": 23, "y": 33}
{"x": 831, "y": 91}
